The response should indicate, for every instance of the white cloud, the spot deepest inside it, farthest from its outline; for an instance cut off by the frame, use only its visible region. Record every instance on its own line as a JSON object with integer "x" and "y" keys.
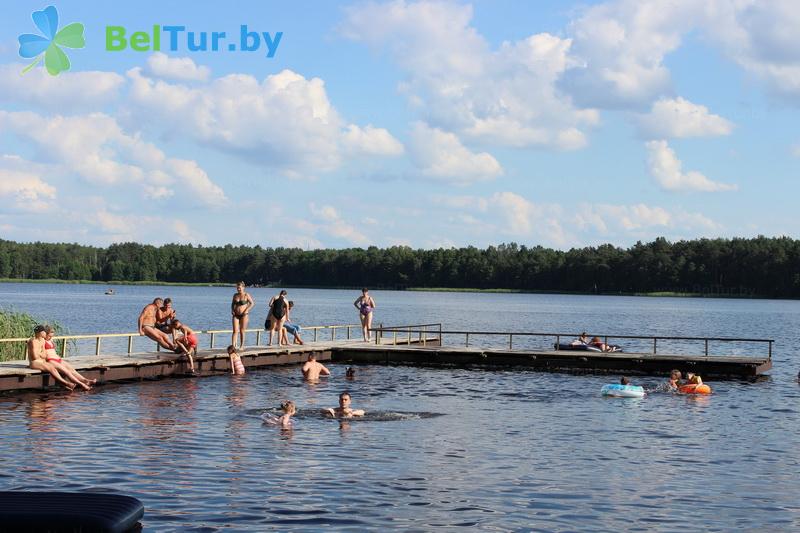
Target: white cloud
{"x": 285, "y": 121}
{"x": 762, "y": 38}
{"x": 441, "y": 155}
{"x": 638, "y": 219}
{"x": 507, "y": 214}
{"x": 678, "y": 117}
{"x": 68, "y": 92}
{"x": 332, "y": 224}
{"x": 459, "y": 85}
{"x": 666, "y": 169}
{"x": 23, "y": 190}
{"x": 160, "y": 65}
{"x": 95, "y": 148}
{"x": 371, "y": 140}
{"x": 620, "y": 47}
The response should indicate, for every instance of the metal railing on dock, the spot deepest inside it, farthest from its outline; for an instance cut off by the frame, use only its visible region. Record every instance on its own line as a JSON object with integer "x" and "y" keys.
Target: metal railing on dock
{"x": 72, "y": 344}
{"x": 420, "y": 333}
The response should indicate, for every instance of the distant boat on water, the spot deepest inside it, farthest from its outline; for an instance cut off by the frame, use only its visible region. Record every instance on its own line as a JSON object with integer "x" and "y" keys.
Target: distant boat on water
{"x": 110, "y": 291}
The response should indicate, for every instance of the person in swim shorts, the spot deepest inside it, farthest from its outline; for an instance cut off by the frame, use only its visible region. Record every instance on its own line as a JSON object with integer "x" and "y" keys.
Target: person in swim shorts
{"x": 290, "y": 327}
{"x": 186, "y": 343}
{"x": 312, "y": 369}
{"x": 365, "y": 305}
{"x": 237, "y": 367}
{"x": 164, "y": 316}
{"x": 147, "y": 325}
{"x": 344, "y": 410}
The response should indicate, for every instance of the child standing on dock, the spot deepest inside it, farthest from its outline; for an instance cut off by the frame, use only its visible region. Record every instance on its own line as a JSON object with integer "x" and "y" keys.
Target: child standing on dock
{"x": 237, "y": 367}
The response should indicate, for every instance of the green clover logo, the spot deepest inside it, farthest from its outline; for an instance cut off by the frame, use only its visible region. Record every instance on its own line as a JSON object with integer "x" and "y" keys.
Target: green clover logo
{"x": 55, "y": 60}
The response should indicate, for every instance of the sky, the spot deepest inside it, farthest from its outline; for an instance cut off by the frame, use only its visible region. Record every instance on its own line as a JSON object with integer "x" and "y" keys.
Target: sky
{"x": 415, "y": 123}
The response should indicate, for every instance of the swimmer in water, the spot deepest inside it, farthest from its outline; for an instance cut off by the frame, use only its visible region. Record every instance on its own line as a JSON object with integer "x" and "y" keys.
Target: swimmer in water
{"x": 312, "y": 369}
{"x": 350, "y": 373}
{"x": 285, "y": 421}
{"x": 674, "y": 380}
{"x": 624, "y": 381}
{"x": 344, "y": 410}
{"x": 693, "y": 379}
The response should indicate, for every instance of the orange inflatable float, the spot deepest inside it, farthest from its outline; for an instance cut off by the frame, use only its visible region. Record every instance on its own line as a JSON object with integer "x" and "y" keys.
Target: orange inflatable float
{"x": 695, "y": 389}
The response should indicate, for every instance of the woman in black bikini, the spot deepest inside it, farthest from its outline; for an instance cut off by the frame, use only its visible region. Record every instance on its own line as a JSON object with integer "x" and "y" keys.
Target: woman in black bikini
{"x": 240, "y": 308}
{"x": 277, "y": 315}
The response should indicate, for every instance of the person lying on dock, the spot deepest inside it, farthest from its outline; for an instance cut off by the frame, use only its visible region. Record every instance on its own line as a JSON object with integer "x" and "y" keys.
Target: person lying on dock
{"x": 583, "y": 340}
{"x": 62, "y": 365}
{"x": 37, "y": 359}
{"x": 237, "y": 367}
{"x": 312, "y": 369}
{"x": 344, "y": 410}
{"x": 186, "y": 343}
{"x": 147, "y": 325}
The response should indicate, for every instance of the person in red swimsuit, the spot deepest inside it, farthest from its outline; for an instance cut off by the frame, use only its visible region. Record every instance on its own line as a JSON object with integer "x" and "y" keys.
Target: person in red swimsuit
{"x": 186, "y": 344}
{"x": 62, "y": 365}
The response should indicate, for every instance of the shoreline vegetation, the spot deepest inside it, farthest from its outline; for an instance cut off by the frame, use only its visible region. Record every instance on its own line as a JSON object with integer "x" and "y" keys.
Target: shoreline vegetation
{"x": 657, "y": 294}
{"x": 760, "y": 267}
{"x": 18, "y": 325}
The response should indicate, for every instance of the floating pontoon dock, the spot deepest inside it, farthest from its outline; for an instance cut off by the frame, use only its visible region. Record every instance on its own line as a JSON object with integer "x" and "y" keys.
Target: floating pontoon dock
{"x": 425, "y": 344}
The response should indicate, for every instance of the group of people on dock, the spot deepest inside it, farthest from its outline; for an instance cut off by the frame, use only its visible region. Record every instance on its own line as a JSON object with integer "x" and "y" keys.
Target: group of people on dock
{"x": 158, "y": 321}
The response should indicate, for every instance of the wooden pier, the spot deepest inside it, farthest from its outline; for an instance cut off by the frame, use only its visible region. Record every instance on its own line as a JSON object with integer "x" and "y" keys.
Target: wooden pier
{"x": 410, "y": 345}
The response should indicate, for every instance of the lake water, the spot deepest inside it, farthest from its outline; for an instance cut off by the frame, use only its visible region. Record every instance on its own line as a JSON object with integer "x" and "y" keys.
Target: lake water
{"x": 510, "y": 451}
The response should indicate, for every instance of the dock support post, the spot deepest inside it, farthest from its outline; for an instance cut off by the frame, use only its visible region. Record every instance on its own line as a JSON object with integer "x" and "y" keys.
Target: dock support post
{"x": 440, "y": 335}
{"x": 212, "y": 340}
{"x": 558, "y": 341}
{"x": 333, "y": 333}
{"x": 63, "y": 347}
{"x": 130, "y": 344}
{"x": 97, "y": 346}
{"x": 706, "y": 347}
{"x": 348, "y": 332}
{"x": 510, "y": 341}
{"x": 467, "y": 343}
{"x": 655, "y": 344}
{"x": 315, "y": 334}
{"x": 258, "y": 338}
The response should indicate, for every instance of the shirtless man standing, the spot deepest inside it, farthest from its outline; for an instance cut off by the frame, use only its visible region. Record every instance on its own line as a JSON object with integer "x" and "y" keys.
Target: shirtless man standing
{"x": 312, "y": 369}
{"x": 147, "y": 325}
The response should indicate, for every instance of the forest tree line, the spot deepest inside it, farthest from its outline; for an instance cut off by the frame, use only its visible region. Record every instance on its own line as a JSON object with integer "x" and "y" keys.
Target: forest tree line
{"x": 759, "y": 266}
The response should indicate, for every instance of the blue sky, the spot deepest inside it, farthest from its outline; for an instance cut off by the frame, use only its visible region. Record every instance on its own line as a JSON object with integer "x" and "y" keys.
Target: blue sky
{"x": 424, "y": 124}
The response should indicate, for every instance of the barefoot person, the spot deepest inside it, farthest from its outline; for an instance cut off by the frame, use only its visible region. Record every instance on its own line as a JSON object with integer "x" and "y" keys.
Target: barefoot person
{"x": 147, "y": 325}
{"x": 344, "y": 410}
{"x": 37, "y": 358}
{"x": 240, "y": 309}
{"x": 277, "y": 310}
{"x": 312, "y": 369}
{"x": 186, "y": 343}
{"x": 62, "y": 365}
{"x": 290, "y": 327}
{"x": 365, "y": 304}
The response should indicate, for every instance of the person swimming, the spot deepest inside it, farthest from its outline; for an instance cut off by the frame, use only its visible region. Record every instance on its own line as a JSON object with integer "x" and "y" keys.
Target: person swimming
{"x": 350, "y": 373}
{"x": 344, "y": 410}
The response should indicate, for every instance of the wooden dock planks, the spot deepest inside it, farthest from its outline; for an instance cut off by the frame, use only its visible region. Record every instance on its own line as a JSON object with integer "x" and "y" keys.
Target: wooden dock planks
{"x": 16, "y": 376}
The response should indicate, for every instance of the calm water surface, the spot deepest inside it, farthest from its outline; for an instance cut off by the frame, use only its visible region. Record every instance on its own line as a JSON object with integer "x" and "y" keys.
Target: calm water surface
{"x": 511, "y": 451}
